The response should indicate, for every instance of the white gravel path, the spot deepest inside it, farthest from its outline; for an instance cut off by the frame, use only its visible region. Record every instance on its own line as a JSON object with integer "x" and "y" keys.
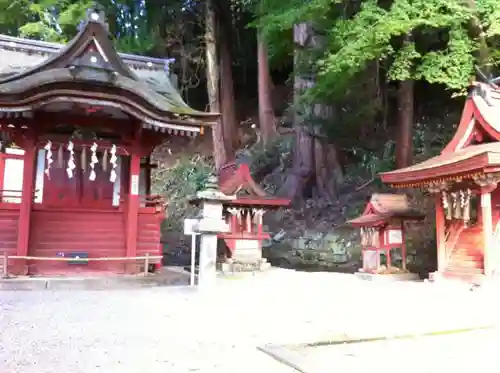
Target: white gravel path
{"x": 178, "y": 330}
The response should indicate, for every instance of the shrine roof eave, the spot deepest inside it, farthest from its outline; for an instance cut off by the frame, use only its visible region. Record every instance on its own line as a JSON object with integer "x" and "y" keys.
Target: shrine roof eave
{"x": 463, "y": 164}
{"x": 93, "y": 53}
{"x": 263, "y": 202}
{"x": 268, "y": 203}
{"x": 377, "y": 220}
{"x": 32, "y": 87}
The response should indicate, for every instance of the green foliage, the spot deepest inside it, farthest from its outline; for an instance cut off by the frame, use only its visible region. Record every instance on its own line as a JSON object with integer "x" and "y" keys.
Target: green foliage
{"x": 452, "y": 66}
{"x": 178, "y": 184}
{"x": 358, "y": 35}
{"x": 372, "y": 162}
{"x": 58, "y": 20}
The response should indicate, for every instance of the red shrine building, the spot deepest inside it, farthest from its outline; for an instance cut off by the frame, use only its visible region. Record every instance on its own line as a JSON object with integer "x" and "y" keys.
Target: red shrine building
{"x": 463, "y": 180}
{"x": 244, "y": 215}
{"x": 78, "y": 124}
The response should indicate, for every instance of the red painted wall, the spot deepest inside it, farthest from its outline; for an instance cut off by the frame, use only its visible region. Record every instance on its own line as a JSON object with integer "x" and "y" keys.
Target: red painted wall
{"x": 149, "y": 235}
{"x": 99, "y": 233}
{"x": 8, "y": 232}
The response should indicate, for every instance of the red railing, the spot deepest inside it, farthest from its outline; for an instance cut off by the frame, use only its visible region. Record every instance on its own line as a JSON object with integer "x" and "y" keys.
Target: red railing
{"x": 11, "y": 193}
{"x": 153, "y": 201}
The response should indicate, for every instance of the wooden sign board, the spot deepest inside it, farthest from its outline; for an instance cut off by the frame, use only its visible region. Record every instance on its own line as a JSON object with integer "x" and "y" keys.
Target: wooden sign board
{"x": 394, "y": 236}
{"x": 190, "y": 226}
{"x": 212, "y": 210}
{"x": 134, "y": 186}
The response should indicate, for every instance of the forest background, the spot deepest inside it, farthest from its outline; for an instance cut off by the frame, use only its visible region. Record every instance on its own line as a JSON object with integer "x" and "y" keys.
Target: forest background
{"x": 317, "y": 96}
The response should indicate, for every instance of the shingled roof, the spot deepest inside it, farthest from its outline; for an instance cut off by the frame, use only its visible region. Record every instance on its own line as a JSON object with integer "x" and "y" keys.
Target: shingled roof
{"x": 474, "y": 149}
{"x": 384, "y": 207}
{"x": 91, "y": 58}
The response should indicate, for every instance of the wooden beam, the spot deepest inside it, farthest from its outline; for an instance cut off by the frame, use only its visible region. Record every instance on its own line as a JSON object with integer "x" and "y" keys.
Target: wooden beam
{"x": 50, "y": 119}
{"x": 440, "y": 234}
{"x": 132, "y": 219}
{"x": 147, "y": 175}
{"x": 487, "y": 224}
{"x": 2, "y": 172}
{"x": 23, "y": 233}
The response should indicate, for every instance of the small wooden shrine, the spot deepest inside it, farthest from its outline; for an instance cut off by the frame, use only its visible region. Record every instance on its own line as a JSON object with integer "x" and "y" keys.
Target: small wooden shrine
{"x": 244, "y": 215}
{"x": 78, "y": 124}
{"x": 463, "y": 181}
{"x": 382, "y": 226}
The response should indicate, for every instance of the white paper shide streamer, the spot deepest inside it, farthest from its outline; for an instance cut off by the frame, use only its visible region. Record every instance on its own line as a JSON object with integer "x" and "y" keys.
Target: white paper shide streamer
{"x": 48, "y": 157}
{"x": 112, "y": 161}
{"x": 71, "y": 160}
{"x": 93, "y": 161}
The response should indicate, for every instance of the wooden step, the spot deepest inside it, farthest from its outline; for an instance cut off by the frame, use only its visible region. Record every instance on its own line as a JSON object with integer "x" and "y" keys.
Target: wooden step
{"x": 467, "y": 277}
{"x": 466, "y": 261}
{"x": 459, "y": 264}
{"x": 463, "y": 270}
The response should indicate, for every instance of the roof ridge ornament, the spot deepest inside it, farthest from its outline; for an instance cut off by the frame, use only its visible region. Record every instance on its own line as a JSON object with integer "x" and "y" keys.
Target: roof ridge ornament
{"x": 488, "y": 78}
{"x": 96, "y": 15}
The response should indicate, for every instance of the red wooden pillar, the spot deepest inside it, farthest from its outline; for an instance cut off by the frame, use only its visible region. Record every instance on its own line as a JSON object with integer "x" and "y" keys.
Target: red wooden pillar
{"x": 403, "y": 246}
{"x": 440, "y": 234}
{"x": 23, "y": 232}
{"x": 2, "y": 171}
{"x": 133, "y": 204}
{"x": 487, "y": 221}
{"x": 147, "y": 176}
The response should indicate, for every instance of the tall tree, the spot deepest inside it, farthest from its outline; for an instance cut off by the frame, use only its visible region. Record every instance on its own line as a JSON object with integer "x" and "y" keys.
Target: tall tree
{"x": 267, "y": 120}
{"x": 315, "y": 159}
{"x": 227, "y": 99}
{"x": 404, "y": 143}
{"x": 445, "y": 40}
{"x": 213, "y": 83}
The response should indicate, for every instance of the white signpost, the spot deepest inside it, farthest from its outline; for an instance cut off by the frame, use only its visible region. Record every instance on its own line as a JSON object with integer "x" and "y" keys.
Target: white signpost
{"x": 190, "y": 228}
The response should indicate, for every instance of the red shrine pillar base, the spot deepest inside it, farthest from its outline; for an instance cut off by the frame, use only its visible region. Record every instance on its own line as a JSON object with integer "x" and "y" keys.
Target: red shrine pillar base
{"x": 132, "y": 219}
{"x": 23, "y": 232}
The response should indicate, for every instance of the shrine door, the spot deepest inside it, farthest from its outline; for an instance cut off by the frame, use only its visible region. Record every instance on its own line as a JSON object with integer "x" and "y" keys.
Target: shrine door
{"x": 78, "y": 191}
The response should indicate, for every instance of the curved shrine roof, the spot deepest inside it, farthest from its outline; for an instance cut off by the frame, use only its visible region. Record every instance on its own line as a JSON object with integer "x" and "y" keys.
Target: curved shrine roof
{"x": 236, "y": 180}
{"x": 384, "y": 207}
{"x": 467, "y": 162}
{"x": 241, "y": 180}
{"x": 89, "y": 67}
{"x": 474, "y": 149}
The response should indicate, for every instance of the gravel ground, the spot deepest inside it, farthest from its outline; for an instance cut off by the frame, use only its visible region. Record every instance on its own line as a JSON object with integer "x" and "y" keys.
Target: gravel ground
{"x": 181, "y": 330}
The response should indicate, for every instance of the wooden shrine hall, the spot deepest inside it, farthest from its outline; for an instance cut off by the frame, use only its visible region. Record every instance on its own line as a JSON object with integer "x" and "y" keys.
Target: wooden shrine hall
{"x": 78, "y": 124}
{"x": 464, "y": 182}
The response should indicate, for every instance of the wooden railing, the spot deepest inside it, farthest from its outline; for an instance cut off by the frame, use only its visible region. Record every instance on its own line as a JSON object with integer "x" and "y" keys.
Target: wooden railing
{"x": 147, "y": 258}
{"x": 17, "y": 194}
{"x": 156, "y": 201}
